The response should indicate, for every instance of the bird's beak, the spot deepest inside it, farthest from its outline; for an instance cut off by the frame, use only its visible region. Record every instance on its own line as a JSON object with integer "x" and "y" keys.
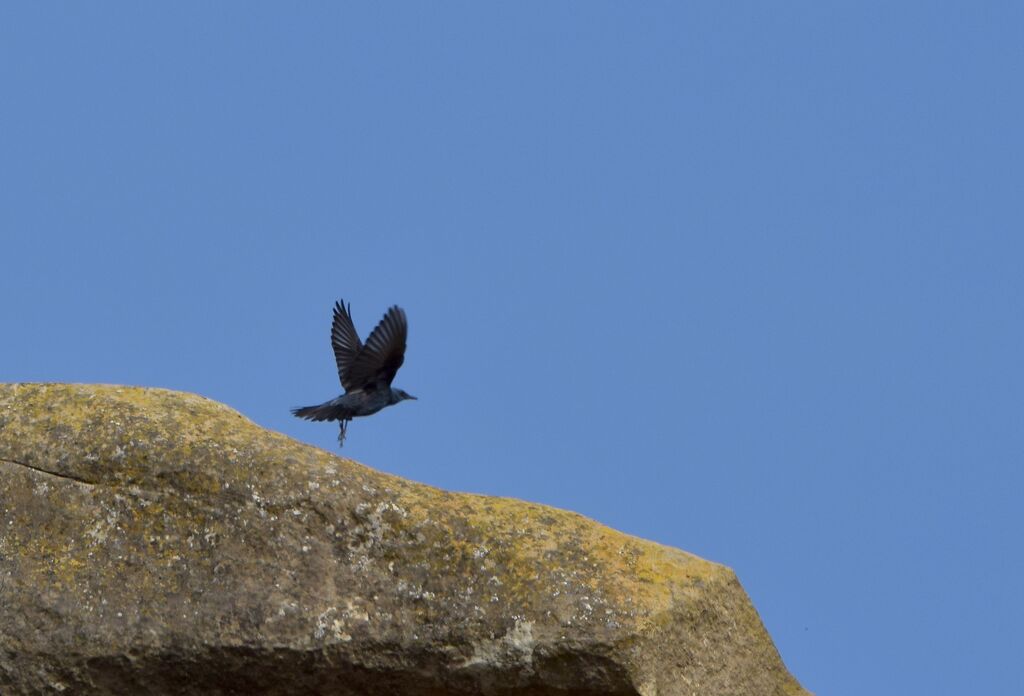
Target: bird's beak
{"x": 413, "y": 397}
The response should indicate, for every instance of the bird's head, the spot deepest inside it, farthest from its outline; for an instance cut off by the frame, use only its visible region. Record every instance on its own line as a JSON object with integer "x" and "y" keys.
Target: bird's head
{"x": 403, "y": 395}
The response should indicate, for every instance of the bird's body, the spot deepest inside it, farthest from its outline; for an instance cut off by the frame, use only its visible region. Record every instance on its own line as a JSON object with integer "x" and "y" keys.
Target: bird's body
{"x": 366, "y": 371}
{"x": 350, "y": 405}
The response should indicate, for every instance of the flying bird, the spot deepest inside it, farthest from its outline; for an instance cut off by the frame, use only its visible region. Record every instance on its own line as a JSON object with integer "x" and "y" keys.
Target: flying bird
{"x": 366, "y": 370}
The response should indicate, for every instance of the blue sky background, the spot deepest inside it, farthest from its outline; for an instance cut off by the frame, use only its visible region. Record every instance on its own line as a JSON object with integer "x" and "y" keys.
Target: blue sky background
{"x": 742, "y": 278}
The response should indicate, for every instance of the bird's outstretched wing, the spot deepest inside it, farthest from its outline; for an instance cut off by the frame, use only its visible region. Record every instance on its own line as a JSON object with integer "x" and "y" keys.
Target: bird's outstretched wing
{"x": 346, "y": 344}
{"x": 383, "y": 354}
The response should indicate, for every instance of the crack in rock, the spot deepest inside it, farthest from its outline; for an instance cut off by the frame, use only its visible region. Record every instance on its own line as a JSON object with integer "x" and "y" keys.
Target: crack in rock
{"x": 68, "y": 477}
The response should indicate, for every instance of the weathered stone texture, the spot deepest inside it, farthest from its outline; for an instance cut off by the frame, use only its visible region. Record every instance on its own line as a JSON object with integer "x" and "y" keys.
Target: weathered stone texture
{"x": 154, "y": 542}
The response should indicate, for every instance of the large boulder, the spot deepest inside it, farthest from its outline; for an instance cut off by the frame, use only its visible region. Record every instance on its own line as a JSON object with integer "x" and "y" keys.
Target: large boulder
{"x": 154, "y": 542}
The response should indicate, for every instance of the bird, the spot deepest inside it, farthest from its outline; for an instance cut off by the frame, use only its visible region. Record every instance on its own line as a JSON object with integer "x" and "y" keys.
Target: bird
{"x": 366, "y": 370}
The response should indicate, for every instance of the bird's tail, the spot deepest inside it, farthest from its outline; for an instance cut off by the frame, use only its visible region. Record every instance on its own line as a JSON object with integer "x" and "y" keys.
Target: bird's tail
{"x": 323, "y": 412}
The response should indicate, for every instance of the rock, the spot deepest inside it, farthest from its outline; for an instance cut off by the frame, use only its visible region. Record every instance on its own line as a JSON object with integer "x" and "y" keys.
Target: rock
{"x": 154, "y": 542}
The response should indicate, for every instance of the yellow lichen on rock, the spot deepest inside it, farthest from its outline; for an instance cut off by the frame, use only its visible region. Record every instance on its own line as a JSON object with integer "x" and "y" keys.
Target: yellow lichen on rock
{"x": 145, "y": 530}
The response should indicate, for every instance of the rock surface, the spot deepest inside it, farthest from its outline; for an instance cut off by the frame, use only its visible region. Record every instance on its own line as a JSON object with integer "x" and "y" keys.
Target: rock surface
{"x": 154, "y": 542}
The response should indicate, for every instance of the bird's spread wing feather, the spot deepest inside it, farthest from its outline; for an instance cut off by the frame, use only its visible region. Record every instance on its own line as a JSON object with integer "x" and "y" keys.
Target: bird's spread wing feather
{"x": 346, "y": 344}
{"x": 378, "y": 361}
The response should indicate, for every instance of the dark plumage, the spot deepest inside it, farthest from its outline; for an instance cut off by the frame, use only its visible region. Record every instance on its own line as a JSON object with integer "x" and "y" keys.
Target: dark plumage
{"x": 366, "y": 371}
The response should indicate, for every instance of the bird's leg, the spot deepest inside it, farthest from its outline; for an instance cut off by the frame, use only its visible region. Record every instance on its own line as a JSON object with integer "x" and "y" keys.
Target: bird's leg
{"x": 341, "y": 434}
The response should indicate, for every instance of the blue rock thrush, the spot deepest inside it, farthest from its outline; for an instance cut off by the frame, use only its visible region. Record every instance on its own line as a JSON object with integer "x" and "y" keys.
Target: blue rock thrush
{"x": 366, "y": 371}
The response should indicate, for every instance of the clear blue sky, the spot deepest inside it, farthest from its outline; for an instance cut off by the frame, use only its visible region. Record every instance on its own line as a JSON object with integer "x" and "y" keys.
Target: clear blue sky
{"x": 743, "y": 278}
